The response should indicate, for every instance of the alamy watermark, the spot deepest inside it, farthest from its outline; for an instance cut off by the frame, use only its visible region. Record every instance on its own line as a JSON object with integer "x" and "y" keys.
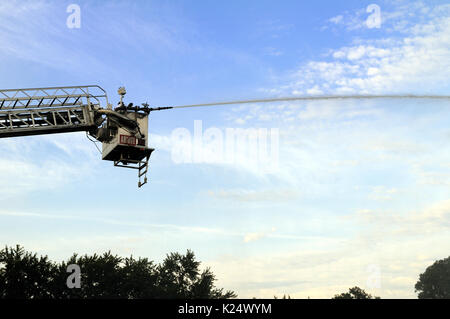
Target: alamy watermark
{"x": 74, "y": 279}
{"x": 374, "y": 20}
{"x": 249, "y": 146}
{"x": 74, "y": 19}
{"x": 374, "y": 277}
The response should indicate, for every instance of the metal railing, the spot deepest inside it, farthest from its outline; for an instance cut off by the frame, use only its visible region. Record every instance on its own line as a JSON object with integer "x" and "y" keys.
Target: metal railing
{"x": 49, "y": 110}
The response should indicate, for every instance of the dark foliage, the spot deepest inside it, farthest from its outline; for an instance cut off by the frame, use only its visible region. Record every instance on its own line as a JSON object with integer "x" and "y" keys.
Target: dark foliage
{"x": 355, "y": 293}
{"x": 24, "y": 275}
{"x": 434, "y": 283}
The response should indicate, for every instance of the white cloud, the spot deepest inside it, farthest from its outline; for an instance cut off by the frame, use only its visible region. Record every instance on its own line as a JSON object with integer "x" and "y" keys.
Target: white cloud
{"x": 382, "y": 193}
{"x": 314, "y": 91}
{"x": 257, "y": 236}
{"x": 337, "y": 19}
{"x": 415, "y": 62}
{"x": 385, "y": 224}
{"x": 174, "y": 227}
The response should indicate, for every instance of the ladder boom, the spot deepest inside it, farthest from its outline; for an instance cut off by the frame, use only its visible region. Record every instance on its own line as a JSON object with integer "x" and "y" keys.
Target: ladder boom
{"x": 50, "y": 110}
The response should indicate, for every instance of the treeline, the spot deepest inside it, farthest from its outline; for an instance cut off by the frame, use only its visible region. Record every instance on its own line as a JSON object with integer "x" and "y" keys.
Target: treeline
{"x": 24, "y": 275}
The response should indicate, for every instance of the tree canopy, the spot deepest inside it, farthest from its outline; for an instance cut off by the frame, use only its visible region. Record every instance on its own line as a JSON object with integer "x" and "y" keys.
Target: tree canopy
{"x": 24, "y": 275}
{"x": 434, "y": 283}
{"x": 355, "y": 293}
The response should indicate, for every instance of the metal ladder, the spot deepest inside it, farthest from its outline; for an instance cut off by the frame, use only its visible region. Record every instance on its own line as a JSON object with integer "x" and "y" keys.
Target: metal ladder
{"x": 140, "y": 165}
{"x": 49, "y": 110}
{"x": 142, "y": 171}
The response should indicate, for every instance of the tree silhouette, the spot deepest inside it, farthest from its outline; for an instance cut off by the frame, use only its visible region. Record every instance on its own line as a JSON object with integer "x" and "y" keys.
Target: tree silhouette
{"x": 434, "y": 283}
{"x": 102, "y": 276}
{"x": 180, "y": 276}
{"x": 284, "y": 297}
{"x": 24, "y": 276}
{"x": 355, "y": 293}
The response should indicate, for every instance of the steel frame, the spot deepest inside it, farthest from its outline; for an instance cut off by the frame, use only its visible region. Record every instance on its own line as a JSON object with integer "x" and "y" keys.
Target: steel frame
{"x": 49, "y": 110}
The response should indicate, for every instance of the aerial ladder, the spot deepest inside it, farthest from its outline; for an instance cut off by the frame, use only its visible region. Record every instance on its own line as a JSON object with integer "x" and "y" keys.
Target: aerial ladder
{"x": 123, "y": 131}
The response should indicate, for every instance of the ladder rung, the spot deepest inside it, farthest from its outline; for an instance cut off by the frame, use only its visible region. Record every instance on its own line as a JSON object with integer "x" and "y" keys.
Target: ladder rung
{"x": 143, "y": 173}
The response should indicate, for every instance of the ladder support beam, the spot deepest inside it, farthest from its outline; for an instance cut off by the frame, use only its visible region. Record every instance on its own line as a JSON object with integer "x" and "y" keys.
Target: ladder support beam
{"x": 50, "y": 110}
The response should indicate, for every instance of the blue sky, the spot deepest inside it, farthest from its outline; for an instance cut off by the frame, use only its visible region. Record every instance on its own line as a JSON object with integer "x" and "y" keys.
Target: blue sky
{"x": 361, "y": 189}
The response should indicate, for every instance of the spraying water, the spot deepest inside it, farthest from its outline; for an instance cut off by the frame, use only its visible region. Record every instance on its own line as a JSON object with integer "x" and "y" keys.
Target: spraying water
{"x": 316, "y": 98}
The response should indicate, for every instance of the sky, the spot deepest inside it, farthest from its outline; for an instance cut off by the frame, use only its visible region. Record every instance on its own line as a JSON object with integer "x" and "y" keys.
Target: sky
{"x": 347, "y": 193}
